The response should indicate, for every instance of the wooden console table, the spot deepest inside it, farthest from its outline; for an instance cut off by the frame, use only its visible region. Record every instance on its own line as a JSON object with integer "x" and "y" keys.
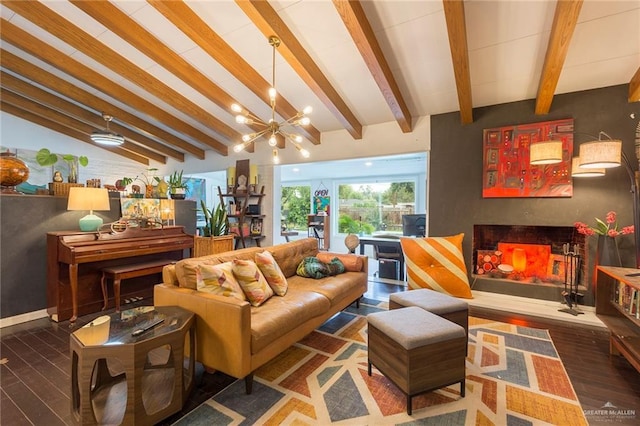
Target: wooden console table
{"x": 75, "y": 261}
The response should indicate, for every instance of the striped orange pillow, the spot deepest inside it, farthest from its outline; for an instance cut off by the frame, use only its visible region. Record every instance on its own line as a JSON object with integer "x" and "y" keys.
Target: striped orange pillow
{"x": 437, "y": 263}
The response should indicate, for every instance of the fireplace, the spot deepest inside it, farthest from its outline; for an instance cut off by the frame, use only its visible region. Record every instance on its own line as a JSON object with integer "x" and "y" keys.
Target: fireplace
{"x": 529, "y": 261}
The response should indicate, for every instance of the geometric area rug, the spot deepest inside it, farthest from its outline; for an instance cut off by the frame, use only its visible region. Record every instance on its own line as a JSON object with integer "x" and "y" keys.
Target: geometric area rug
{"x": 514, "y": 376}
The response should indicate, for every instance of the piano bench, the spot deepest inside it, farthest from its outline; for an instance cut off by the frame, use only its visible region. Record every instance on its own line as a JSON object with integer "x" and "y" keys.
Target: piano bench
{"x": 118, "y": 273}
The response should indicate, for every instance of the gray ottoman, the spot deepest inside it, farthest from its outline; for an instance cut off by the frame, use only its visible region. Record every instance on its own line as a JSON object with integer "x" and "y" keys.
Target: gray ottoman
{"x": 417, "y": 350}
{"x": 441, "y": 304}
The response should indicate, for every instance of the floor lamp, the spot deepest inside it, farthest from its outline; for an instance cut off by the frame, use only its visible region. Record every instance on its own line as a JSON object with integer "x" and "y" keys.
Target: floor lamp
{"x": 606, "y": 154}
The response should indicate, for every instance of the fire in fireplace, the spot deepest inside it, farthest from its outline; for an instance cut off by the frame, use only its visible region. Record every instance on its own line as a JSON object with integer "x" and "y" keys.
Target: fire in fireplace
{"x": 506, "y": 255}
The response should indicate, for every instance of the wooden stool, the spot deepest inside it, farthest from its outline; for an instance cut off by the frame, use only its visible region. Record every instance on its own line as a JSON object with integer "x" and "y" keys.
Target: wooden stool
{"x": 417, "y": 350}
{"x": 443, "y": 305}
{"x": 118, "y": 273}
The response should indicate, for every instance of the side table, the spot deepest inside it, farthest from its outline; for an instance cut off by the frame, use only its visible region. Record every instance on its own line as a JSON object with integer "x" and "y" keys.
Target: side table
{"x": 119, "y": 378}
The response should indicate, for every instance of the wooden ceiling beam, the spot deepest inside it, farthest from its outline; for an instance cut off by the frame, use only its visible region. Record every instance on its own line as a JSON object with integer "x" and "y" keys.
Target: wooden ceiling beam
{"x": 265, "y": 18}
{"x": 358, "y": 25}
{"x": 56, "y": 25}
{"x": 46, "y": 79}
{"x": 187, "y": 21}
{"x": 457, "y": 31}
{"x": 16, "y": 85}
{"x": 129, "y": 30}
{"x": 28, "y": 43}
{"x": 634, "y": 87}
{"x": 564, "y": 23}
{"x": 20, "y": 108}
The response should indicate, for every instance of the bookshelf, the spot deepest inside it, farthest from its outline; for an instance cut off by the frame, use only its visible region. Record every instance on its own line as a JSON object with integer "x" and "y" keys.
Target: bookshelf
{"x": 618, "y": 306}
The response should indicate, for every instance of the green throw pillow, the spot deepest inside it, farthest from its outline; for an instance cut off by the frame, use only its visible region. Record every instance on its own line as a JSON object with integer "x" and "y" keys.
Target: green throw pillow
{"x": 312, "y": 267}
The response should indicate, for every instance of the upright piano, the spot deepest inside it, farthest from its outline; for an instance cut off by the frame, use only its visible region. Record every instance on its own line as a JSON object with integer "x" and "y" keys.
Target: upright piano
{"x": 75, "y": 261}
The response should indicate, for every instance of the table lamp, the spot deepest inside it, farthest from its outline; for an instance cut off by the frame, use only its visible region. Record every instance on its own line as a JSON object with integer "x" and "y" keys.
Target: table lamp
{"x": 91, "y": 199}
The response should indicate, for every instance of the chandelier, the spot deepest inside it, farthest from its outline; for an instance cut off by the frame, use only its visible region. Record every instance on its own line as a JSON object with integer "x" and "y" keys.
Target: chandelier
{"x": 272, "y": 127}
{"x": 107, "y": 137}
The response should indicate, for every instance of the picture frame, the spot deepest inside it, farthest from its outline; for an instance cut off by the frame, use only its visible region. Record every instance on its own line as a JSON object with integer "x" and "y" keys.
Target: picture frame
{"x": 256, "y": 226}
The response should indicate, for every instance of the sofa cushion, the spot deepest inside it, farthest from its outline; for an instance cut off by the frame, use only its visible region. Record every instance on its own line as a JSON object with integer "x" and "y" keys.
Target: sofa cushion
{"x": 219, "y": 279}
{"x": 334, "y": 288}
{"x": 252, "y": 281}
{"x": 437, "y": 263}
{"x": 289, "y": 255}
{"x": 248, "y": 253}
{"x": 271, "y": 271}
{"x": 279, "y": 315}
{"x": 351, "y": 262}
{"x": 186, "y": 269}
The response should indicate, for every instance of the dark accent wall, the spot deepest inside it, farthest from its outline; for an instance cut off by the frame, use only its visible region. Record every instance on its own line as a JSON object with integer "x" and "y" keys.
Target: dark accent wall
{"x": 26, "y": 219}
{"x": 455, "y": 180}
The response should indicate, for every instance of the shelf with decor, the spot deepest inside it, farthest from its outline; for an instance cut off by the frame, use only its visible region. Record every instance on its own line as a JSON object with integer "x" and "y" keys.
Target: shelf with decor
{"x": 244, "y": 217}
{"x": 618, "y": 307}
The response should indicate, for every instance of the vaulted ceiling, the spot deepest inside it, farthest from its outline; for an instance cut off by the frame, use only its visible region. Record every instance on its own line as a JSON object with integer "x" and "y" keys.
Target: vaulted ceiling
{"x": 168, "y": 71}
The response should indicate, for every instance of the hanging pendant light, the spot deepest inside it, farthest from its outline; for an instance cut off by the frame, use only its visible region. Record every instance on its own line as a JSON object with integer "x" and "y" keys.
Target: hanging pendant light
{"x": 272, "y": 128}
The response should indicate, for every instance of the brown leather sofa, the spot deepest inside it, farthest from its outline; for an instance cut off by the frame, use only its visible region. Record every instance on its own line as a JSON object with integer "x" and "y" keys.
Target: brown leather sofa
{"x": 236, "y": 338}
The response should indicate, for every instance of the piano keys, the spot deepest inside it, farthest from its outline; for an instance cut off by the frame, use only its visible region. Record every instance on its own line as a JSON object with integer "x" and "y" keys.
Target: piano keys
{"x": 75, "y": 259}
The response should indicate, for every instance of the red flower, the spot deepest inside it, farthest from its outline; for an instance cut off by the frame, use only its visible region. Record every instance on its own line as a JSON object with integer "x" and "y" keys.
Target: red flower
{"x": 607, "y": 227}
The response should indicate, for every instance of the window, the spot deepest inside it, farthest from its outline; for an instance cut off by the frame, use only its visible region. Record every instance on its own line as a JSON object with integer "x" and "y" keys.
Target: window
{"x": 295, "y": 206}
{"x": 368, "y": 207}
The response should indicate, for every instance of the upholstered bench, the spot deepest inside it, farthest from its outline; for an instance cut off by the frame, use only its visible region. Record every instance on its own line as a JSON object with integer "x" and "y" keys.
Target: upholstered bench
{"x": 441, "y": 304}
{"x": 417, "y": 350}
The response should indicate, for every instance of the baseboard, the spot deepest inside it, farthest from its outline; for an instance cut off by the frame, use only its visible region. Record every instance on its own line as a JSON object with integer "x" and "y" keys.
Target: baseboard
{"x": 19, "y": 319}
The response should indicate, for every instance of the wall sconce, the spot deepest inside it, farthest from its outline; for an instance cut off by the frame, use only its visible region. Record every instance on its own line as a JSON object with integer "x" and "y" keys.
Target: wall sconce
{"x": 81, "y": 198}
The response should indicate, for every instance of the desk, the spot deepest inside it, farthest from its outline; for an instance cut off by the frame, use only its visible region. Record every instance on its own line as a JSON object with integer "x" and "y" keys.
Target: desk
{"x": 390, "y": 244}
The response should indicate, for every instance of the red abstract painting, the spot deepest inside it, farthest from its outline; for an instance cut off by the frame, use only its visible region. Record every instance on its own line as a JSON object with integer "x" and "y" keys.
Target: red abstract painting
{"x": 506, "y": 168}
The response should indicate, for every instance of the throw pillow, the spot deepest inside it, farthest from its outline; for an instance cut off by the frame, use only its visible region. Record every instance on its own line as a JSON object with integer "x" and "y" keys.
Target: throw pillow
{"x": 437, "y": 263}
{"x": 252, "y": 281}
{"x": 312, "y": 267}
{"x": 271, "y": 271}
{"x": 218, "y": 279}
{"x": 352, "y": 263}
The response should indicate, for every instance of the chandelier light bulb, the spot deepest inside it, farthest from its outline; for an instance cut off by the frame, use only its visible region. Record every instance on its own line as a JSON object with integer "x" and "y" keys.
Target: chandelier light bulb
{"x": 304, "y": 121}
{"x": 241, "y": 119}
{"x": 272, "y": 94}
{"x": 305, "y": 153}
{"x": 307, "y": 110}
{"x": 276, "y": 159}
{"x": 272, "y": 140}
{"x": 239, "y": 147}
{"x": 296, "y": 138}
{"x": 236, "y": 108}
{"x": 247, "y": 138}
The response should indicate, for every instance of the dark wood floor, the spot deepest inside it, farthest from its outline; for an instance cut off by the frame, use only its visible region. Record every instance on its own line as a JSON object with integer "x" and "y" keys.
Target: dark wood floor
{"x": 35, "y": 382}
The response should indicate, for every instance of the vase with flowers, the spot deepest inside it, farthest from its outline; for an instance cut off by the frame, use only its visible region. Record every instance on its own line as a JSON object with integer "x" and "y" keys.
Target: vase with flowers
{"x": 607, "y": 230}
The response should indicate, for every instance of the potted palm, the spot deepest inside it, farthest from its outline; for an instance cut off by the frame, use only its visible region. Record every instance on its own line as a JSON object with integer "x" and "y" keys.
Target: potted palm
{"x": 177, "y": 188}
{"x": 214, "y": 237}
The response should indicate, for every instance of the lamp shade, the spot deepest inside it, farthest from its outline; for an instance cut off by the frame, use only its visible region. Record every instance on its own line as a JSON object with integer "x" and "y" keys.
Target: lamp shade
{"x": 601, "y": 154}
{"x": 577, "y": 171}
{"x": 91, "y": 199}
{"x": 107, "y": 138}
{"x": 547, "y": 152}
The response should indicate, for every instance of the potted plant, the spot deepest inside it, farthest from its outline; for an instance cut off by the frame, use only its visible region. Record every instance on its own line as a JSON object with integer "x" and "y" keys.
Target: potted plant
{"x": 44, "y": 157}
{"x": 147, "y": 178}
{"x": 214, "y": 237}
{"x": 177, "y": 188}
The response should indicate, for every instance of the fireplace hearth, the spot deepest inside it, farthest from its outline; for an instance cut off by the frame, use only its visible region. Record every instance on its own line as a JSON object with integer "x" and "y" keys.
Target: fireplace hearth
{"x": 529, "y": 261}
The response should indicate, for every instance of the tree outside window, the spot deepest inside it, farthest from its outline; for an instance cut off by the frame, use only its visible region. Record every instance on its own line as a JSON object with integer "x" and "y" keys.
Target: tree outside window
{"x": 365, "y": 208}
{"x": 295, "y": 206}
